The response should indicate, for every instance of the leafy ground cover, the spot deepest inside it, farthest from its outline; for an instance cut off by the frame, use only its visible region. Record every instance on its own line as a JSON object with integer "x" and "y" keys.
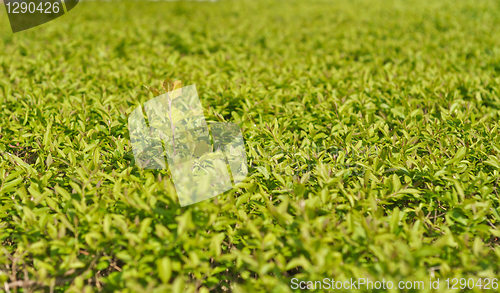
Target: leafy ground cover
{"x": 371, "y": 129}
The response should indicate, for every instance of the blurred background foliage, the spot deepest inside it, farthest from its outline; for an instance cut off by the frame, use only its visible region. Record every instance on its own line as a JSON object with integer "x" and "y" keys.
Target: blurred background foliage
{"x": 371, "y": 128}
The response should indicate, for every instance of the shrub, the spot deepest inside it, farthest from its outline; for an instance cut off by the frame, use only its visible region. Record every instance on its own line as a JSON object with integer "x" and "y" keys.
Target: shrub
{"x": 371, "y": 130}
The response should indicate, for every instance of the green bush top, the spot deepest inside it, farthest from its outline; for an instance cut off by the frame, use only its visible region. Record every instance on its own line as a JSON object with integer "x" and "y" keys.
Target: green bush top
{"x": 371, "y": 130}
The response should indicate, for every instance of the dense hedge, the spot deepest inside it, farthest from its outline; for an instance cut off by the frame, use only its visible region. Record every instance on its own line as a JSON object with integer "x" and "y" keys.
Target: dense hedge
{"x": 371, "y": 130}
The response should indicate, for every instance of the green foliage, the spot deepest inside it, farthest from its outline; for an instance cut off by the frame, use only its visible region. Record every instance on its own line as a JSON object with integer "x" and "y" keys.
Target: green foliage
{"x": 371, "y": 129}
